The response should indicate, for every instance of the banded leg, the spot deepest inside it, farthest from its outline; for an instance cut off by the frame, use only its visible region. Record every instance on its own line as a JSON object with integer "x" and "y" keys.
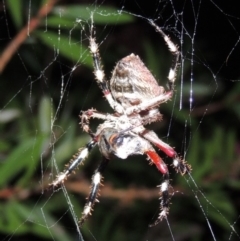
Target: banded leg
{"x": 100, "y": 76}
{"x": 151, "y": 103}
{"x": 180, "y": 165}
{"x": 92, "y": 198}
{"x": 153, "y": 138}
{"x": 165, "y": 194}
{"x": 91, "y": 113}
{"x": 165, "y": 199}
{"x": 74, "y": 163}
{"x": 164, "y": 187}
{"x": 175, "y": 52}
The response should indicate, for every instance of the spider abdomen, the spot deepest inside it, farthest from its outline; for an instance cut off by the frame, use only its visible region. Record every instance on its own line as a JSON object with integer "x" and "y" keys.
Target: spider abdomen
{"x": 132, "y": 82}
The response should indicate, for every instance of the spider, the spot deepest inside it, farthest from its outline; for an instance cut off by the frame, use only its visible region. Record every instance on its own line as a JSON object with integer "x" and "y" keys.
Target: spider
{"x": 134, "y": 95}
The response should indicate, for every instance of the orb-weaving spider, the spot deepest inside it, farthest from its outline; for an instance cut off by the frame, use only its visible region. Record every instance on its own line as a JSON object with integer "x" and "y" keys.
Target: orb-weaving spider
{"x": 134, "y": 95}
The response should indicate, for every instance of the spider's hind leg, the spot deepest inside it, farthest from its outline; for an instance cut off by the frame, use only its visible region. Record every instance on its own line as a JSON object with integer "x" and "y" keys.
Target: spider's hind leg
{"x": 100, "y": 75}
{"x": 92, "y": 198}
{"x": 165, "y": 187}
{"x": 165, "y": 198}
{"x": 179, "y": 165}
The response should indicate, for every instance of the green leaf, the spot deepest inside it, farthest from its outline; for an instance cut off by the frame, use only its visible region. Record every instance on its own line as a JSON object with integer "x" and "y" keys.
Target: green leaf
{"x": 221, "y": 211}
{"x": 24, "y": 219}
{"x": 45, "y": 115}
{"x": 64, "y": 45}
{"x": 44, "y": 2}
{"x": 15, "y": 9}
{"x": 152, "y": 59}
{"x": 24, "y": 158}
{"x": 56, "y": 21}
{"x": 229, "y": 143}
{"x": 101, "y": 15}
{"x": 9, "y": 115}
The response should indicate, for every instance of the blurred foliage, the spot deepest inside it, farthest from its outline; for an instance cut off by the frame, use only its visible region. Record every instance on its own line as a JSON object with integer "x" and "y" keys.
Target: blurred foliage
{"x": 40, "y": 132}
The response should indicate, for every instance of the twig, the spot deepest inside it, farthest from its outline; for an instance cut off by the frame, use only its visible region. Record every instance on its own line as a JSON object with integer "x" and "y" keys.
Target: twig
{"x": 124, "y": 196}
{"x": 24, "y": 33}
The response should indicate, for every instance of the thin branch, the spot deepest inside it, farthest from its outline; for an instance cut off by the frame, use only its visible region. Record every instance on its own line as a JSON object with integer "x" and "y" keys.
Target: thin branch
{"x": 124, "y": 196}
{"x": 13, "y": 46}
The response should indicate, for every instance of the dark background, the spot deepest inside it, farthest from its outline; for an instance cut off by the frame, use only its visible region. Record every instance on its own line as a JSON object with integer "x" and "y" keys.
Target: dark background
{"x": 205, "y": 132}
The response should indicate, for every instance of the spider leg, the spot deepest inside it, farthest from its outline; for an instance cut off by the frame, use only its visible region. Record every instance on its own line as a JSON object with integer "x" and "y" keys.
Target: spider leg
{"x": 92, "y": 198}
{"x": 153, "y": 138}
{"x": 151, "y": 103}
{"x": 164, "y": 186}
{"x": 75, "y": 162}
{"x": 100, "y": 76}
{"x": 180, "y": 165}
{"x": 165, "y": 199}
{"x": 91, "y": 113}
{"x": 157, "y": 160}
{"x": 175, "y": 52}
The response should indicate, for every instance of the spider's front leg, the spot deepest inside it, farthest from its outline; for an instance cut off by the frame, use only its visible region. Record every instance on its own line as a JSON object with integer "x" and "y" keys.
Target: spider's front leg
{"x": 164, "y": 186}
{"x": 173, "y": 48}
{"x": 92, "y": 113}
{"x": 100, "y": 76}
{"x": 149, "y": 104}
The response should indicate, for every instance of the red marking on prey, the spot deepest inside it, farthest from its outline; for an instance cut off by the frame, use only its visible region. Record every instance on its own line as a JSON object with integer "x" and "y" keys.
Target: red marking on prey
{"x": 157, "y": 160}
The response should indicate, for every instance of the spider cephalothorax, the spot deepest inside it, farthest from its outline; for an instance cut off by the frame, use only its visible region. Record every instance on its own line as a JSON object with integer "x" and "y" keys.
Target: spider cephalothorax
{"x": 134, "y": 95}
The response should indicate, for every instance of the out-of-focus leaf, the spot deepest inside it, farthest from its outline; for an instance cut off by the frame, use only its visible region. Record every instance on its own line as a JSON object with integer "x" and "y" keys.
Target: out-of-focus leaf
{"x": 101, "y": 15}
{"x": 45, "y": 115}
{"x": 37, "y": 216}
{"x": 23, "y": 159}
{"x": 9, "y": 115}
{"x": 199, "y": 89}
{"x": 71, "y": 49}
{"x": 15, "y": 9}
{"x": 59, "y": 22}
{"x": 222, "y": 211}
{"x": 25, "y": 216}
{"x": 236, "y": 109}
{"x": 11, "y": 222}
{"x": 151, "y": 60}
{"x": 44, "y": 2}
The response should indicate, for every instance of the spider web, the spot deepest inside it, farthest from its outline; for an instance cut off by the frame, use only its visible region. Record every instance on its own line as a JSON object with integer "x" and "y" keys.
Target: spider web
{"x": 47, "y": 80}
